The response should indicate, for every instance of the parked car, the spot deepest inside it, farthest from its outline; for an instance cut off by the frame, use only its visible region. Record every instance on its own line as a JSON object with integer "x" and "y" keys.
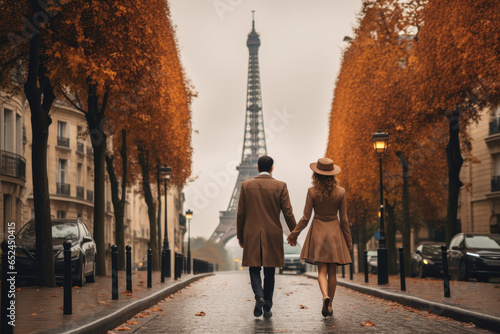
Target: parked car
{"x": 143, "y": 265}
{"x": 372, "y": 261}
{"x": 474, "y": 255}
{"x": 292, "y": 258}
{"x": 83, "y": 250}
{"x": 427, "y": 260}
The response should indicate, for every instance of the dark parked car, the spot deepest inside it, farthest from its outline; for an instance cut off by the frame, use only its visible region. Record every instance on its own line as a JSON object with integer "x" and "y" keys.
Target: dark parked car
{"x": 474, "y": 255}
{"x": 427, "y": 260}
{"x": 292, "y": 258}
{"x": 83, "y": 250}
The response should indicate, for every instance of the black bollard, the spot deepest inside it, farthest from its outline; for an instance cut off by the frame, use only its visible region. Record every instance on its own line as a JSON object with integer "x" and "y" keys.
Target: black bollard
{"x": 351, "y": 266}
{"x": 129, "y": 268}
{"x": 114, "y": 272}
{"x": 67, "y": 305}
{"x": 150, "y": 264}
{"x": 8, "y": 290}
{"x": 446, "y": 277}
{"x": 162, "y": 271}
{"x": 365, "y": 256}
{"x": 343, "y": 271}
{"x": 402, "y": 268}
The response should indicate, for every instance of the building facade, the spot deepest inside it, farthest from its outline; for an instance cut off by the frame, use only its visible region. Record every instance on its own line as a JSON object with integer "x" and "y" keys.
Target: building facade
{"x": 70, "y": 177}
{"x": 479, "y": 209}
{"x": 12, "y": 161}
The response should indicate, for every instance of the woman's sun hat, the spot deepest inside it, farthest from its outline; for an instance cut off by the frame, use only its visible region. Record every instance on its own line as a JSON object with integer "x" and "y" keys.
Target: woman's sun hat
{"x": 325, "y": 166}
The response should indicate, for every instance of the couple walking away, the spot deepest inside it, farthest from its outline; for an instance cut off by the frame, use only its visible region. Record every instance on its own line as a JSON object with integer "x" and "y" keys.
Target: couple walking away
{"x": 259, "y": 232}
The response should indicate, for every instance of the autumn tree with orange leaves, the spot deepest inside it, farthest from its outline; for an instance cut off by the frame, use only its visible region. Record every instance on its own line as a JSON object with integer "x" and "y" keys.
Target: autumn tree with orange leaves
{"x": 117, "y": 61}
{"x": 373, "y": 92}
{"x": 457, "y": 64}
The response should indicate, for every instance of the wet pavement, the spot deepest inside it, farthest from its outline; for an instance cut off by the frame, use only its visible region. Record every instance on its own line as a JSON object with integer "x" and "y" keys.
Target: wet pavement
{"x": 224, "y": 303}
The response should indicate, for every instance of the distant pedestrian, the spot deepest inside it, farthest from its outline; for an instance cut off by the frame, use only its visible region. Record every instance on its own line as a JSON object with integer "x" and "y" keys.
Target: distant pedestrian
{"x": 260, "y": 233}
{"x": 328, "y": 242}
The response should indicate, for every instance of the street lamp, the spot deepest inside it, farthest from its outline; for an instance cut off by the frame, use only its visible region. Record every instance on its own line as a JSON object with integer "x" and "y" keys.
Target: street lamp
{"x": 380, "y": 140}
{"x": 166, "y": 171}
{"x": 189, "y": 216}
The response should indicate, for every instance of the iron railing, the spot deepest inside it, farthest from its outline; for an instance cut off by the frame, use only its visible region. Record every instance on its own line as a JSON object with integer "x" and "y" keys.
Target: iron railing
{"x": 80, "y": 192}
{"x": 63, "y": 189}
{"x": 62, "y": 141}
{"x": 90, "y": 195}
{"x": 12, "y": 164}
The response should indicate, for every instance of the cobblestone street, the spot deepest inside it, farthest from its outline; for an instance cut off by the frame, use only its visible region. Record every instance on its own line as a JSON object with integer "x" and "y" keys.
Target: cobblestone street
{"x": 224, "y": 304}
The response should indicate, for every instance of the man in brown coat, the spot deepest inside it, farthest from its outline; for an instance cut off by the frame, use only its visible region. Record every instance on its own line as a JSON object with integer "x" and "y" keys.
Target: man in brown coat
{"x": 259, "y": 230}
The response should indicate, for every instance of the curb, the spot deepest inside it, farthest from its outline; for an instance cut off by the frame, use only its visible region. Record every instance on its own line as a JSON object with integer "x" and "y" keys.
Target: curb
{"x": 458, "y": 313}
{"x": 109, "y": 319}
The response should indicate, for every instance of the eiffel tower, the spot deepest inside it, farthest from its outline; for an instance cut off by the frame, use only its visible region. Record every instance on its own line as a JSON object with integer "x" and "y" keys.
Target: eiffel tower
{"x": 254, "y": 141}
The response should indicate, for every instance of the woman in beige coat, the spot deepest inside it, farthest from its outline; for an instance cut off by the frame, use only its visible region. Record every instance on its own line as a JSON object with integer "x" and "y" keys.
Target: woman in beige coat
{"x": 328, "y": 242}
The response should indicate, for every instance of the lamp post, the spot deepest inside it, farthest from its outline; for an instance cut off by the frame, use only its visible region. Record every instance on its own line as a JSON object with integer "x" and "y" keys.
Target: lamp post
{"x": 166, "y": 171}
{"x": 380, "y": 140}
{"x": 189, "y": 216}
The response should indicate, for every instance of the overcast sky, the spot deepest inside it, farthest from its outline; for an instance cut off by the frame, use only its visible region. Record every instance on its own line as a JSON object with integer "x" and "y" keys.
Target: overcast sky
{"x": 300, "y": 53}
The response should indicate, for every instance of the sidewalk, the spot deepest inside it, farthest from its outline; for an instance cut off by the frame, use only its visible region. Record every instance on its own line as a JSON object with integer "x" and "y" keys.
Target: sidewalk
{"x": 40, "y": 310}
{"x": 469, "y": 302}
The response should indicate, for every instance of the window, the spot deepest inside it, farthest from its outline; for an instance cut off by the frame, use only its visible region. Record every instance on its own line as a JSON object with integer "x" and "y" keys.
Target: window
{"x": 8, "y": 142}
{"x": 79, "y": 174}
{"x": 496, "y": 164}
{"x": 62, "y": 129}
{"x": 62, "y": 134}
{"x": 62, "y": 176}
{"x": 61, "y": 214}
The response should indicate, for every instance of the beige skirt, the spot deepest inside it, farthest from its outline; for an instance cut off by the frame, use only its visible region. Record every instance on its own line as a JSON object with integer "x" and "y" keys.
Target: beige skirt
{"x": 325, "y": 243}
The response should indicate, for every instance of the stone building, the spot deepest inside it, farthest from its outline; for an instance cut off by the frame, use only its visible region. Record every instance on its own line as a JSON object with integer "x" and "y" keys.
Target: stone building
{"x": 480, "y": 197}
{"x": 70, "y": 178}
{"x": 12, "y": 161}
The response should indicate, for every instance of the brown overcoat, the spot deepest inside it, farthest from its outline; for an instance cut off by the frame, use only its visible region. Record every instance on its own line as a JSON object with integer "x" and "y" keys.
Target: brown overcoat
{"x": 328, "y": 237}
{"x": 258, "y": 225}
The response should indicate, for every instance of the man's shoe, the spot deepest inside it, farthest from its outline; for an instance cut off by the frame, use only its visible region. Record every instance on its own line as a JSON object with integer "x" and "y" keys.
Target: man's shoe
{"x": 267, "y": 313}
{"x": 259, "y": 303}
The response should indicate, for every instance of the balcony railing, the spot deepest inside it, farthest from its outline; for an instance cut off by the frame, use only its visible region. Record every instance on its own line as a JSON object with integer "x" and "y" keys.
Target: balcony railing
{"x": 90, "y": 195}
{"x": 63, "y": 189}
{"x": 80, "y": 192}
{"x": 63, "y": 141}
{"x": 89, "y": 151}
{"x": 80, "y": 148}
{"x": 494, "y": 126}
{"x": 12, "y": 164}
{"x": 495, "y": 183}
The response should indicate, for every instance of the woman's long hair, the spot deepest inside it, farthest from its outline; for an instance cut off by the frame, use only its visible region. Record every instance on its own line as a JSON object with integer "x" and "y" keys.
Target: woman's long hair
{"x": 325, "y": 185}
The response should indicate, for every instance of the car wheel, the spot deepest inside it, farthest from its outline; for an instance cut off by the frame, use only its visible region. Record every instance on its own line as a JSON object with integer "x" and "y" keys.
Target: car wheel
{"x": 302, "y": 270}
{"x": 462, "y": 271}
{"x": 91, "y": 277}
{"x": 79, "y": 282}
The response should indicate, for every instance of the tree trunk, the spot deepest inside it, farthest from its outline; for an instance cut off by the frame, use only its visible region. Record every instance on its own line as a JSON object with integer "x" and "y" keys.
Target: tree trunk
{"x": 158, "y": 184}
{"x": 95, "y": 118}
{"x": 119, "y": 203}
{"x": 455, "y": 161}
{"x": 405, "y": 227}
{"x": 390, "y": 236}
{"x": 148, "y": 196}
{"x": 36, "y": 86}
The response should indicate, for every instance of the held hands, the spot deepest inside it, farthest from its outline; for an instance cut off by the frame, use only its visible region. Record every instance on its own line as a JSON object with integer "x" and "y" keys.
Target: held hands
{"x": 291, "y": 242}
{"x": 349, "y": 248}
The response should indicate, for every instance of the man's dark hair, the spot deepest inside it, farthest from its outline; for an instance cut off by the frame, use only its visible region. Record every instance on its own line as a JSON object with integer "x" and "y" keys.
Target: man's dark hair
{"x": 265, "y": 163}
